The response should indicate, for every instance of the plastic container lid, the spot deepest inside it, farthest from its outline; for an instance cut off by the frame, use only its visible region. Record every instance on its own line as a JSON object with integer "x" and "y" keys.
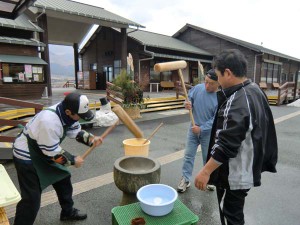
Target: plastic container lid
{"x": 9, "y": 193}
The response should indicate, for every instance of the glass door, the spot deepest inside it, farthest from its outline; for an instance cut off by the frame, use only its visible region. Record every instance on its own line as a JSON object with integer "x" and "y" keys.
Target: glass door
{"x": 108, "y": 73}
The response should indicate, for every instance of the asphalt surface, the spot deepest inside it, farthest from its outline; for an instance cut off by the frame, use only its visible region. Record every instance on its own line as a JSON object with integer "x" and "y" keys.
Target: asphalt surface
{"x": 276, "y": 202}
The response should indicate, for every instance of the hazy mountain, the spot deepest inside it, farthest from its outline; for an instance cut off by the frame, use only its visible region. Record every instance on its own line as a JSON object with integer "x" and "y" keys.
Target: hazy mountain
{"x": 61, "y": 61}
{"x": 58, "y": 70}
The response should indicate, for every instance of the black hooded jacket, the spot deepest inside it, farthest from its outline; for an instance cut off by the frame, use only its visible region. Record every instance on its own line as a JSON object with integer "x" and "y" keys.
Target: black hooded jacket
{"x": 243, "y": 137}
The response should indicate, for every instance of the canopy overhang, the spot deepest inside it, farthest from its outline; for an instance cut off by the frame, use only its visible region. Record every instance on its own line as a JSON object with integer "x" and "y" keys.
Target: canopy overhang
{"x": 69, "y": 27}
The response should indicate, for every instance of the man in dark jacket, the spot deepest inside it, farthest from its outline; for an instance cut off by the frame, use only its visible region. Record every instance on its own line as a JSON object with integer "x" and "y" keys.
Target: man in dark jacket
{"x": 243, "y": 142}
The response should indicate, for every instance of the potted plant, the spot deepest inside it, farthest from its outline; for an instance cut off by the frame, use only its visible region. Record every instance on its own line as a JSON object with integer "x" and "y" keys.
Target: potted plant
{"x": 132, "y": 93}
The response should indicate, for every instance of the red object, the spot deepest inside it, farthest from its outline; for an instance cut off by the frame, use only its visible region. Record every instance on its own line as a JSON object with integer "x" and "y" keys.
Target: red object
{"x": 66, "y": 93}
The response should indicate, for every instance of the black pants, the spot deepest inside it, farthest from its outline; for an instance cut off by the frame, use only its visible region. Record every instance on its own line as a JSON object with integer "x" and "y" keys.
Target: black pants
{"x": 29, "y": 205}
{"x": 231, "y": 206}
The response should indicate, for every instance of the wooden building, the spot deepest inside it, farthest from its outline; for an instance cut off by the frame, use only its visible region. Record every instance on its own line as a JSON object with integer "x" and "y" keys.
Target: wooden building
{"x": 21, "y": 68}
{"x": 102, "y": 55}
{"x": 265, "y": 66}
{"x": 50, "y": 22}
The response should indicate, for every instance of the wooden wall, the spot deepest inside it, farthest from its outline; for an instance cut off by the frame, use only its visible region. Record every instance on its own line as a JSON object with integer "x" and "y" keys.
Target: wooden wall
{"x": 23, "y": 50}
{"x": 22, "y": 91}
{"x": 216, "y": 45}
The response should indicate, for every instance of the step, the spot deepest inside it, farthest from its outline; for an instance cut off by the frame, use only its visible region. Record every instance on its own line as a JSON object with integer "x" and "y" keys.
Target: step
{"x": 272, "y": 102}
{"x": 162, "y": 108}
{"x": 163, "y": 101}
{"x": 272, "y": 97}
{"x": 164, "y": 104}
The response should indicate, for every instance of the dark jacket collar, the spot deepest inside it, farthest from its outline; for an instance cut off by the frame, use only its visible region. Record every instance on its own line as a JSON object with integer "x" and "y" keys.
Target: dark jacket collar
{"x": 227, "y": 92}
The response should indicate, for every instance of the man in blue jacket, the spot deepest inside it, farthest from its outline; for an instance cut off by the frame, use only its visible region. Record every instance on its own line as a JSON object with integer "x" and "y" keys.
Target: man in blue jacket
{"x": 203, "y": 102}
{"x": 243, "y": 142}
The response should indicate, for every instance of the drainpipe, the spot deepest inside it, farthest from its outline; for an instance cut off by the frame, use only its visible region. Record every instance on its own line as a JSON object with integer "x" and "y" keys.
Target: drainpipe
{"x": 35, "y": 33}
{"x": 43, "y": 12}
{"x": 255, "y": 59}
{"x": 152, "y": 56}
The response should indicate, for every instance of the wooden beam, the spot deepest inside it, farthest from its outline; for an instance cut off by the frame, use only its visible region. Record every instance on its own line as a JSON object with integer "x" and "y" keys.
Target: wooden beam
{"x": 7, "y": 139}
{"x": 15, "y": 102}
{"x": 14, "y": 123}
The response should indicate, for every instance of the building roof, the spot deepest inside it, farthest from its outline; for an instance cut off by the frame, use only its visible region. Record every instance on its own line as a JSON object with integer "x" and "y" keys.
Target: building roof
{"x": 22, "y": 59}
{"x": 254, "y": 47}
{"x": 83, "y": 10}
{"x": 163, "y": 41}
{"x": 21, "y": 41}
{"x": 12, "y": 9}
{"x": 22, "y": 22}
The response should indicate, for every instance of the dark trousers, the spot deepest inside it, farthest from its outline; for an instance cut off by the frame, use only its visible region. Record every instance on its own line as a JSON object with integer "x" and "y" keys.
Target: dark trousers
{"x": 231, "y": 206}
{"x": 29, "y": 205}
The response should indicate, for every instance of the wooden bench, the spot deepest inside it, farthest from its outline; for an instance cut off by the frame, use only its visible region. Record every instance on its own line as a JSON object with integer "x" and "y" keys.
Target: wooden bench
{"x": 263, "y": 85}
{"x": 167, "y": 84}
{"x": 276, "y": 85}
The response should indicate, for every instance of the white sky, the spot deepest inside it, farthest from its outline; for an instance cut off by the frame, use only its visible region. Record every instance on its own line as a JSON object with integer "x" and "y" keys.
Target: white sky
{"x": 275, "y": 23}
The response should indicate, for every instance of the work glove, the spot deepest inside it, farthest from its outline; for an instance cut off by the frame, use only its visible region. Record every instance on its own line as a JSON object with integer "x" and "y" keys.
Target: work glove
{"x": 85, "y": 137}
{"x": 64, "y": 158}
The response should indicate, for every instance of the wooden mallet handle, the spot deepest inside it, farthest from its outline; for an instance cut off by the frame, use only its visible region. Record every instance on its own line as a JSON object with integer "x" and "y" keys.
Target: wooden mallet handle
{"x": 156, "y": 129}
{"x": 186, "y": 95}
{"x": 106, "y": 132}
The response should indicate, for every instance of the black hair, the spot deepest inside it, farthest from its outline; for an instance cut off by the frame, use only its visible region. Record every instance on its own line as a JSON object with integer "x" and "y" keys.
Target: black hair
{"x": 71, "y": 102}
{"x": 232, "y": 59}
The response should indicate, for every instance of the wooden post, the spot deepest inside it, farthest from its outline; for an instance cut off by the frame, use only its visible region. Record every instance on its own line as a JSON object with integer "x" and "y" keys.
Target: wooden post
{"x": 123, "y": 48}
{"x": 296, "y": 83}
{"x": 42, "y": 22}
{"x": 76, "y": 63}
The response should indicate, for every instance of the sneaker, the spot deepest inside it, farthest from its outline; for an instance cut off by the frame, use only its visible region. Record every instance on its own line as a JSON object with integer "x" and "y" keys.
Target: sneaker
{"x": 210, "y": 187}
{"x": 75, "y": 215}
{"x": 183, "y": 185}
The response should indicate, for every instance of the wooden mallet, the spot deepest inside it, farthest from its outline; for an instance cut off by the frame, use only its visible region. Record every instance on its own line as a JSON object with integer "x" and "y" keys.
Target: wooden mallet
{"x": 127, "y": 121}
{"x": 176, "y": 65}
{"x": 151, "y": 135}
{"x": 106, "y": 132}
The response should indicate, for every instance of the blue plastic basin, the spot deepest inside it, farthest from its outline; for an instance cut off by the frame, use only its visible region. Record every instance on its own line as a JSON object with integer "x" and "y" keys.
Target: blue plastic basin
{"x": 157, "y": 199}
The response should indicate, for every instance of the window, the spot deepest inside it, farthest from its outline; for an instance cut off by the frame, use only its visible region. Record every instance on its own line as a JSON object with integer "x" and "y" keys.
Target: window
{"x": 117, "y": 68}
{"x": 270, "y": 73}
{"x": 93, "y": 66}
{"x": 157, "y": 77}
{"x": 154, "y": 76}
{"x": 16, "y": 73}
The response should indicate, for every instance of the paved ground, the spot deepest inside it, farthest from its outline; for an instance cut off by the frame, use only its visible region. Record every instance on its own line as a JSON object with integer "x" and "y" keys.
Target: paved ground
{"x": 276, "y": 202}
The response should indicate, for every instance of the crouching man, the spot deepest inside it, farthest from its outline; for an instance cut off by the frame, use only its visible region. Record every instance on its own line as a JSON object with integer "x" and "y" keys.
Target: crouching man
{"x": 40, "y": 161}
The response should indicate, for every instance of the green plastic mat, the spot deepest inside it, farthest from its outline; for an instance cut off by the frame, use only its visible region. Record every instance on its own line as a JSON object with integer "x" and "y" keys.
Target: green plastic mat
{"x": 180, "y": 215}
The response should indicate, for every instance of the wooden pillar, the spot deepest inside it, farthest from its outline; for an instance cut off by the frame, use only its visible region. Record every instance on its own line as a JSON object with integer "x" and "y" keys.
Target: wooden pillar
{"x": 296, "y": 88}
{"x": 42, "y": 23}
{"x": 76, "y": 62}
{"x": 123, "y": 48}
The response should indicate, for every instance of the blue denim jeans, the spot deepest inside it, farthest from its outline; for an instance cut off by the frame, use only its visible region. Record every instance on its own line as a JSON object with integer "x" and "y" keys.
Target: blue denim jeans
{"x": 192, "y": 143}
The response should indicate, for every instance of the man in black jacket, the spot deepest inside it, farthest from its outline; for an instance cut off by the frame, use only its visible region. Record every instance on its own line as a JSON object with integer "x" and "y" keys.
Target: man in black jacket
{"x": 243, "y": 142}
